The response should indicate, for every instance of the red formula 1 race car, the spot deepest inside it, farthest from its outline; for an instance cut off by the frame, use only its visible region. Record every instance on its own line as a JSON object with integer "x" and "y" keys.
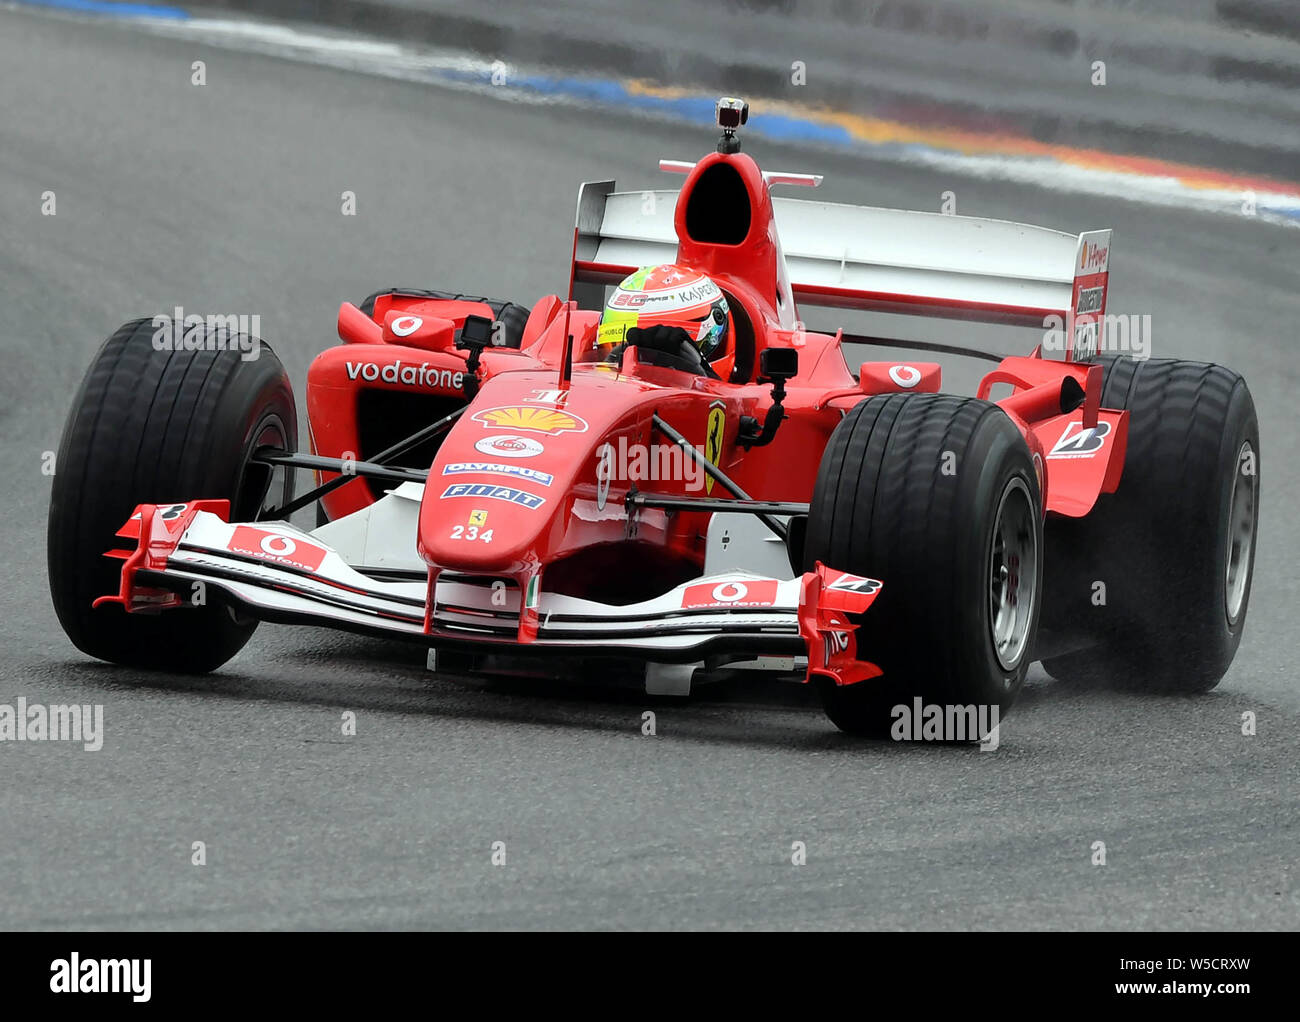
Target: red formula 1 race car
{"x": 504, "y": 485}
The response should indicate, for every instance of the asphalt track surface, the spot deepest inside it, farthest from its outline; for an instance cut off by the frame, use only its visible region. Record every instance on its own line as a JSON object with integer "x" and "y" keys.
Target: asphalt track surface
{"x": 226, "y": 197}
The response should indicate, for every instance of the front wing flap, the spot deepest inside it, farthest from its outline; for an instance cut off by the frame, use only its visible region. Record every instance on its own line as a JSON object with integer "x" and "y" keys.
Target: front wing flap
{"x": 188, "y": 553}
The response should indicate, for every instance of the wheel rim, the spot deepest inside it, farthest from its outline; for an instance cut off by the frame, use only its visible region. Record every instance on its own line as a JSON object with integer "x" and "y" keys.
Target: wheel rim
{"x": 1241, "y": 532}
{"x": 1013, "y": 574}
{"x": 263, "y": 487}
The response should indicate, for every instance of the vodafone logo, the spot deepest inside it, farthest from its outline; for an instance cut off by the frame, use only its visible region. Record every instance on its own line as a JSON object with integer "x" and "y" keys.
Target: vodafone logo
{"x": 510, "y": 446}
{"x": 271, "y": 546}
{"x": 404, "y": 326}
{"x": 278, "y": 546}
{"x": 905, "y": 376}
{"x": 423, "y": 375}
{"x": 729, "y": 594}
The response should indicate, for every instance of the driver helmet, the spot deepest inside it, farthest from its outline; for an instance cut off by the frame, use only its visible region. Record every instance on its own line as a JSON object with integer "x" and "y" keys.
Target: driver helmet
{"x": 668, "y": 295}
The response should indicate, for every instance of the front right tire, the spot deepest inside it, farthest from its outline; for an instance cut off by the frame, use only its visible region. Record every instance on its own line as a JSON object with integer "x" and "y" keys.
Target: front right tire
{"x": 937, "y": 497}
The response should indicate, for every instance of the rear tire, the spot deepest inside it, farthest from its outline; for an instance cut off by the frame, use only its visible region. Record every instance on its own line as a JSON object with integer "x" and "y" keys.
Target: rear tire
{"x": 1174, "y": 546}
{"x": 160, "y": 426}
{"x": 937, "y": 497}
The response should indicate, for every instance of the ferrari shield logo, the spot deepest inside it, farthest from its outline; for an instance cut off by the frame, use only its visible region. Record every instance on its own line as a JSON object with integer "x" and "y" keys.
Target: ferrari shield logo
{"x": 713, "y": 436}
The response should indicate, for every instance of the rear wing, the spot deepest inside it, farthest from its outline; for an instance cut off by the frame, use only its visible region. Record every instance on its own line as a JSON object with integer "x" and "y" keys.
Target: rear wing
{"x": 877, "y": 260}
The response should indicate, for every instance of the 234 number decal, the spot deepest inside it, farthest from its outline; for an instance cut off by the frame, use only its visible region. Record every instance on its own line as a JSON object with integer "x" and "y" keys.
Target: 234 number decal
{"x": 471, "y": 532}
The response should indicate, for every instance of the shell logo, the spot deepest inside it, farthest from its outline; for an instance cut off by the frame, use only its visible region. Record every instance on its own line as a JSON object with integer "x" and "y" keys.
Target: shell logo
{"x": 536, "y": 420}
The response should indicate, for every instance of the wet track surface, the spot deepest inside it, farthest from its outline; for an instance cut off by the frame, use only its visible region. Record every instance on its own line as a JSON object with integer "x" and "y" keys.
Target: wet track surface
{"x": 226, "y": 197}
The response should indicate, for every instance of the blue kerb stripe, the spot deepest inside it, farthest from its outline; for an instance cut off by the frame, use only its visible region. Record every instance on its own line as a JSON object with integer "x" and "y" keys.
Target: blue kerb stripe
{"x": 698, "y": 109}
{"x": 609, "y": 92}
{"x": 115, "y": 9}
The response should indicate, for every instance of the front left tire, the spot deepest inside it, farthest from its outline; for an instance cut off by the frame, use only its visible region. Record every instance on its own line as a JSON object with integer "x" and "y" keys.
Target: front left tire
{"x": 161, "y": 426}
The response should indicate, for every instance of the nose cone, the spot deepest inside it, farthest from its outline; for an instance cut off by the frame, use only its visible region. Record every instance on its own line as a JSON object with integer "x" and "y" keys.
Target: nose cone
{"x": 499, "y": 490}
{"x": 479, "y": 526}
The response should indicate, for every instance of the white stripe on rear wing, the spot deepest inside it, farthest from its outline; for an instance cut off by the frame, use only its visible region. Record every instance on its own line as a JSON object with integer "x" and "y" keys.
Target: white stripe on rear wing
{"x": 860, "y": 257}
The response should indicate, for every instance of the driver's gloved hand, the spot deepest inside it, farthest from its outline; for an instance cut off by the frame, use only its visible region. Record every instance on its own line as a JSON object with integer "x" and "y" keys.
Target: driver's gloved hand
{"x": 671, "y": 340}
{"x": 668, "y": 339}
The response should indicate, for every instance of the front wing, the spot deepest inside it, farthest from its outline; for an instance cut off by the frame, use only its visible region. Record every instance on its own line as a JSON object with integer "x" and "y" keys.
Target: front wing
{"x": 189, "y": 555}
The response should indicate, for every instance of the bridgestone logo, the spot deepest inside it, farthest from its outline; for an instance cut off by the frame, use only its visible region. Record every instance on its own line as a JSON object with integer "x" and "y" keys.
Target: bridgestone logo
{"x": 1090, "y": 299}
{"x": 423, "y": 375}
